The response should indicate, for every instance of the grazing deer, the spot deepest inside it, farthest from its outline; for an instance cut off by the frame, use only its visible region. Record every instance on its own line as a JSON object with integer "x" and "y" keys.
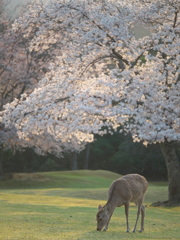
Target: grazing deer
{"x": 129, "y": 188}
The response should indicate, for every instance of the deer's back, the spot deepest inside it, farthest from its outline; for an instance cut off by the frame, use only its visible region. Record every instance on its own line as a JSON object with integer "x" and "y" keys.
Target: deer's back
{"x": 131, "y": 187}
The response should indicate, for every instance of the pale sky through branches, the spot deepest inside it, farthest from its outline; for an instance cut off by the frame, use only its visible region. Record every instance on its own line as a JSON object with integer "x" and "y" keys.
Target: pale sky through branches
{"x": 139, "y": 31}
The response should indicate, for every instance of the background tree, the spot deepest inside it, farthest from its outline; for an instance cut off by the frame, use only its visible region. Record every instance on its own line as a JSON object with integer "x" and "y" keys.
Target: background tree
{"x": 20, "y": 69}
{"x": 103, "y": 77}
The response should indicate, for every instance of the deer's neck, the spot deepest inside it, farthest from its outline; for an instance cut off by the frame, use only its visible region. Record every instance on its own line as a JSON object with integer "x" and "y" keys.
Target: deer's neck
{"x": 110, "y": 206}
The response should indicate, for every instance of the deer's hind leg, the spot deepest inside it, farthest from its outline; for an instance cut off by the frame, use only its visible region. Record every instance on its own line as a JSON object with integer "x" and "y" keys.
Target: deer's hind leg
{"x": 139, "y": 204}
{"x": 142, "y": 218}
{"x": 127, "y": 215}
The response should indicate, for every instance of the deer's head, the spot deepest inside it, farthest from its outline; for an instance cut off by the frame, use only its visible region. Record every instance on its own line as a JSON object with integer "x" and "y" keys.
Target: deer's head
{"x": 102, "y": 218}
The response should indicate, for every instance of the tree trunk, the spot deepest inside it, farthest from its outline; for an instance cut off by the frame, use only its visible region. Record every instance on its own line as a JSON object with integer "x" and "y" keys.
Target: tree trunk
{"x": 1, "y": 162}
{"x": 173, "y": 169}
{"x": 87, "y": 156}
{"x": 74, "y": 161}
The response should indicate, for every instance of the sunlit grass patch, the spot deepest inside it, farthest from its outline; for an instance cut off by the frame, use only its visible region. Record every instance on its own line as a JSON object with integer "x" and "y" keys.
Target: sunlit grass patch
{"x": 38, "y": 199}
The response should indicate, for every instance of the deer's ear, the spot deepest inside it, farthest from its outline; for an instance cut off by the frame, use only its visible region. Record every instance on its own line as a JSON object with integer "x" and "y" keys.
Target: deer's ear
{"x": 100, "y": 207}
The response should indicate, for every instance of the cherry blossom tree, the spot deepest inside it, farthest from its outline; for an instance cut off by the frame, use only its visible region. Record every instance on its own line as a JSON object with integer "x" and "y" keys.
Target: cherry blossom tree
{"x": 4, "y": 23}
{"x": 20, "y": 69}
{"x": 102, "y": 77}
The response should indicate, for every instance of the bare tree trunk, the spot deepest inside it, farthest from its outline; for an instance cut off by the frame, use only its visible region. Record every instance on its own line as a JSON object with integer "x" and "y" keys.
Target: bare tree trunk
{"x": 1, "y": 162}
{"x": 87, "y": 156}
{"x": 74, "y": 161}
{"x": 173, "y": 169}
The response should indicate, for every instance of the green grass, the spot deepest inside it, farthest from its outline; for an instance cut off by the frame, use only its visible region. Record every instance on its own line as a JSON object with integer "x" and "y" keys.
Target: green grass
{"x": 63, "y": 205}
{"x": 64, "y": 179}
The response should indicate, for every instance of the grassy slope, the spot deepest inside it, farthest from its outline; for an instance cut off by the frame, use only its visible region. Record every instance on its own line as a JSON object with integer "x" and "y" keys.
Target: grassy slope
{"x": 62, "y": 205}
{"x": 64, "y": 179}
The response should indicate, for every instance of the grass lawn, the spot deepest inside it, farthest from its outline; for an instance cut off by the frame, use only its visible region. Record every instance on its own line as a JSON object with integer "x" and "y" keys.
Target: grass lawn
{"x": 63, "y": 206}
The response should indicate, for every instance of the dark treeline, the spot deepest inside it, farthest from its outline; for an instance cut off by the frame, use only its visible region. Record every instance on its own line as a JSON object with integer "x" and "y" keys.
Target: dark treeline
{"x": 115, "y": 152}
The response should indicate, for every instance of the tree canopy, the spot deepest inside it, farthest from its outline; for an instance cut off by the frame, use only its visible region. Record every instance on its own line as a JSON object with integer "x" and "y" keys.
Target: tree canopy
{"x": 102, "y": 76}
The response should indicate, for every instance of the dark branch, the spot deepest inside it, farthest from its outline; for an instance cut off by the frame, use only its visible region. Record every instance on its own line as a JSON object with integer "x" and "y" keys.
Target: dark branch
{"x": 61, "y": 99}
{"x": 175, "y": 19}
{"x": 119, "y": 57}
{"x": 95, "y": 61}
{"x": 28, "y": 113}
{"x": 135, "y": 62}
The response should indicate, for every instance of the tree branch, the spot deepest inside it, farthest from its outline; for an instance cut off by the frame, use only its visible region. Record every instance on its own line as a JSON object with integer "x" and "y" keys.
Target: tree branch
{"x": 175, "y": 19}
{"x": 61, "y": 99}
{"x": 95, "y": 61}
{"x": 135, "y": 62}
{"x": 119, "y": 57}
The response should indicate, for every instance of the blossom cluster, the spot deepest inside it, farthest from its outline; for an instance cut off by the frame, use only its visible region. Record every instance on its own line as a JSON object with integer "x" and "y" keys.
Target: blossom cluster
{"x": 103, "y": 77}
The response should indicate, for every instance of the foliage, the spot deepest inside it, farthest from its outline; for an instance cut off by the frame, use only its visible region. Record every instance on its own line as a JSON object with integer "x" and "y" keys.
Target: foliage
{"x": 50, "y": 165}
{"x": 115, "y": 152}
{"x": 118, "y": 153}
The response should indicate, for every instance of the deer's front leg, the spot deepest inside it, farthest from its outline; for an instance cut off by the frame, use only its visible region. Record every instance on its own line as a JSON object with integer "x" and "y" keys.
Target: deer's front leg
{"x": 106, "y": 227}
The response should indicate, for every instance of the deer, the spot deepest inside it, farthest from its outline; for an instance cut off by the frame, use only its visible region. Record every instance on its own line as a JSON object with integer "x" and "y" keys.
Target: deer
{"x": 129, "y": 188}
